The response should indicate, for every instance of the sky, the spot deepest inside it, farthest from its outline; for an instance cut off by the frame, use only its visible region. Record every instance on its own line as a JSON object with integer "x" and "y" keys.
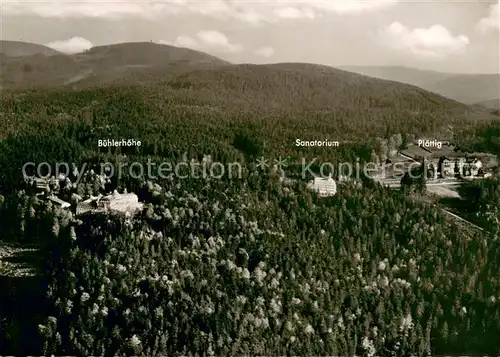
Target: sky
{"x": 451, "y": 36}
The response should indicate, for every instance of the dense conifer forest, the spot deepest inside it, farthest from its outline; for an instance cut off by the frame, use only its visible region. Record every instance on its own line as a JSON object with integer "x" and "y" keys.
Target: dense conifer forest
{"x": 255, "y": 265}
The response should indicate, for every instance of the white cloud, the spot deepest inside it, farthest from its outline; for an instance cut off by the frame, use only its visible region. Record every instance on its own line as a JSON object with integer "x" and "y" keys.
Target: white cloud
{"x": 265, "y": 51}
{"x": 294, "y": 13}
{"x": 351, "y": 7}
{"x": 433, "y": 42}
{"x": 252, "y": 12}
{"x": 492, "y": 21}
{"x": 207, "y": 40}
{"x": 186, "y": 41}
{"x": 77, "y": 9}
{"x": 72, "y": 45}
{"x": 213, "y": 38}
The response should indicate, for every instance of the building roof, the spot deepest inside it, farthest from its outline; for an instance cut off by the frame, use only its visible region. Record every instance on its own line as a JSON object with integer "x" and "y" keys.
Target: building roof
{"x": 123, "y": 203}
{"x": 445, "y": 150}
{"x": 114, "y": 203}
{"x": 400, "y": 158}
{"x": 323, "y": 186}
{"x": 414, "y": 151}
{"x": 115, "y": 197}
{"x": 41, "y": 183}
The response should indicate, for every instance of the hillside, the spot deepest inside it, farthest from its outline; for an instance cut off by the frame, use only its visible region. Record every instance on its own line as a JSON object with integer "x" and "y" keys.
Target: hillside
{"x": 466, "y": 88}
{"x": 250, "y": 264}
{"x": 146, "y": 54}
{"x": 307, "y": 87}
{"x": 21, "y": 49}
{"x": 278, "y": 102}
{"x": 492, "y": 103}
{"x": 418, "y": 77}
{"x": 146, "y": 62}
{"x": 126, "y": 63}
{"x": 202, "y": 111}
{"x": 31, "y": 66}
{"x": 38, "y": 71}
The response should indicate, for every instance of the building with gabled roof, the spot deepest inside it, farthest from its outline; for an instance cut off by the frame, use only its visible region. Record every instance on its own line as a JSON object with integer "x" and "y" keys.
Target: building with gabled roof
{"x": 415, "y": 152}
{"x": 121, "y": 203}
{"x": 127, "y": 203}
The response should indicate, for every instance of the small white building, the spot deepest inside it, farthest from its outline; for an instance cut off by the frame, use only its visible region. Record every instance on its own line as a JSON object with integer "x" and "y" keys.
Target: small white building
{"x": 324, "y": 187}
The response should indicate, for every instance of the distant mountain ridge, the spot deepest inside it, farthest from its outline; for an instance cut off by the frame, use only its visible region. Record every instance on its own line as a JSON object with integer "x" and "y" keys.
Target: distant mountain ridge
{"x": 133, "y": 63}
{"x": 150, "y": 88}
{"x": 146, "y": 52}
{"x": 124, "y": 62}
{"x": 22, "y": 49}
{"x": 465, "y": 88}
{"x": 492, "y": 103}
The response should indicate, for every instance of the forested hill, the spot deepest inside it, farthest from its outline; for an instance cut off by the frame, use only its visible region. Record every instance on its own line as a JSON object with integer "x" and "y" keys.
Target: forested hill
{"x": 125, "y": 63}
{"x": 204, "y": 111}
{"x": 415, "y": 76}
{"x": 145, "y": 53}
{"x": 466, "y": 88}
{"x": 303, "y": 86}
{"x": 190, "y": 101}
{"x": 256, "y": 265}
{"x": 284, "y": 100}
